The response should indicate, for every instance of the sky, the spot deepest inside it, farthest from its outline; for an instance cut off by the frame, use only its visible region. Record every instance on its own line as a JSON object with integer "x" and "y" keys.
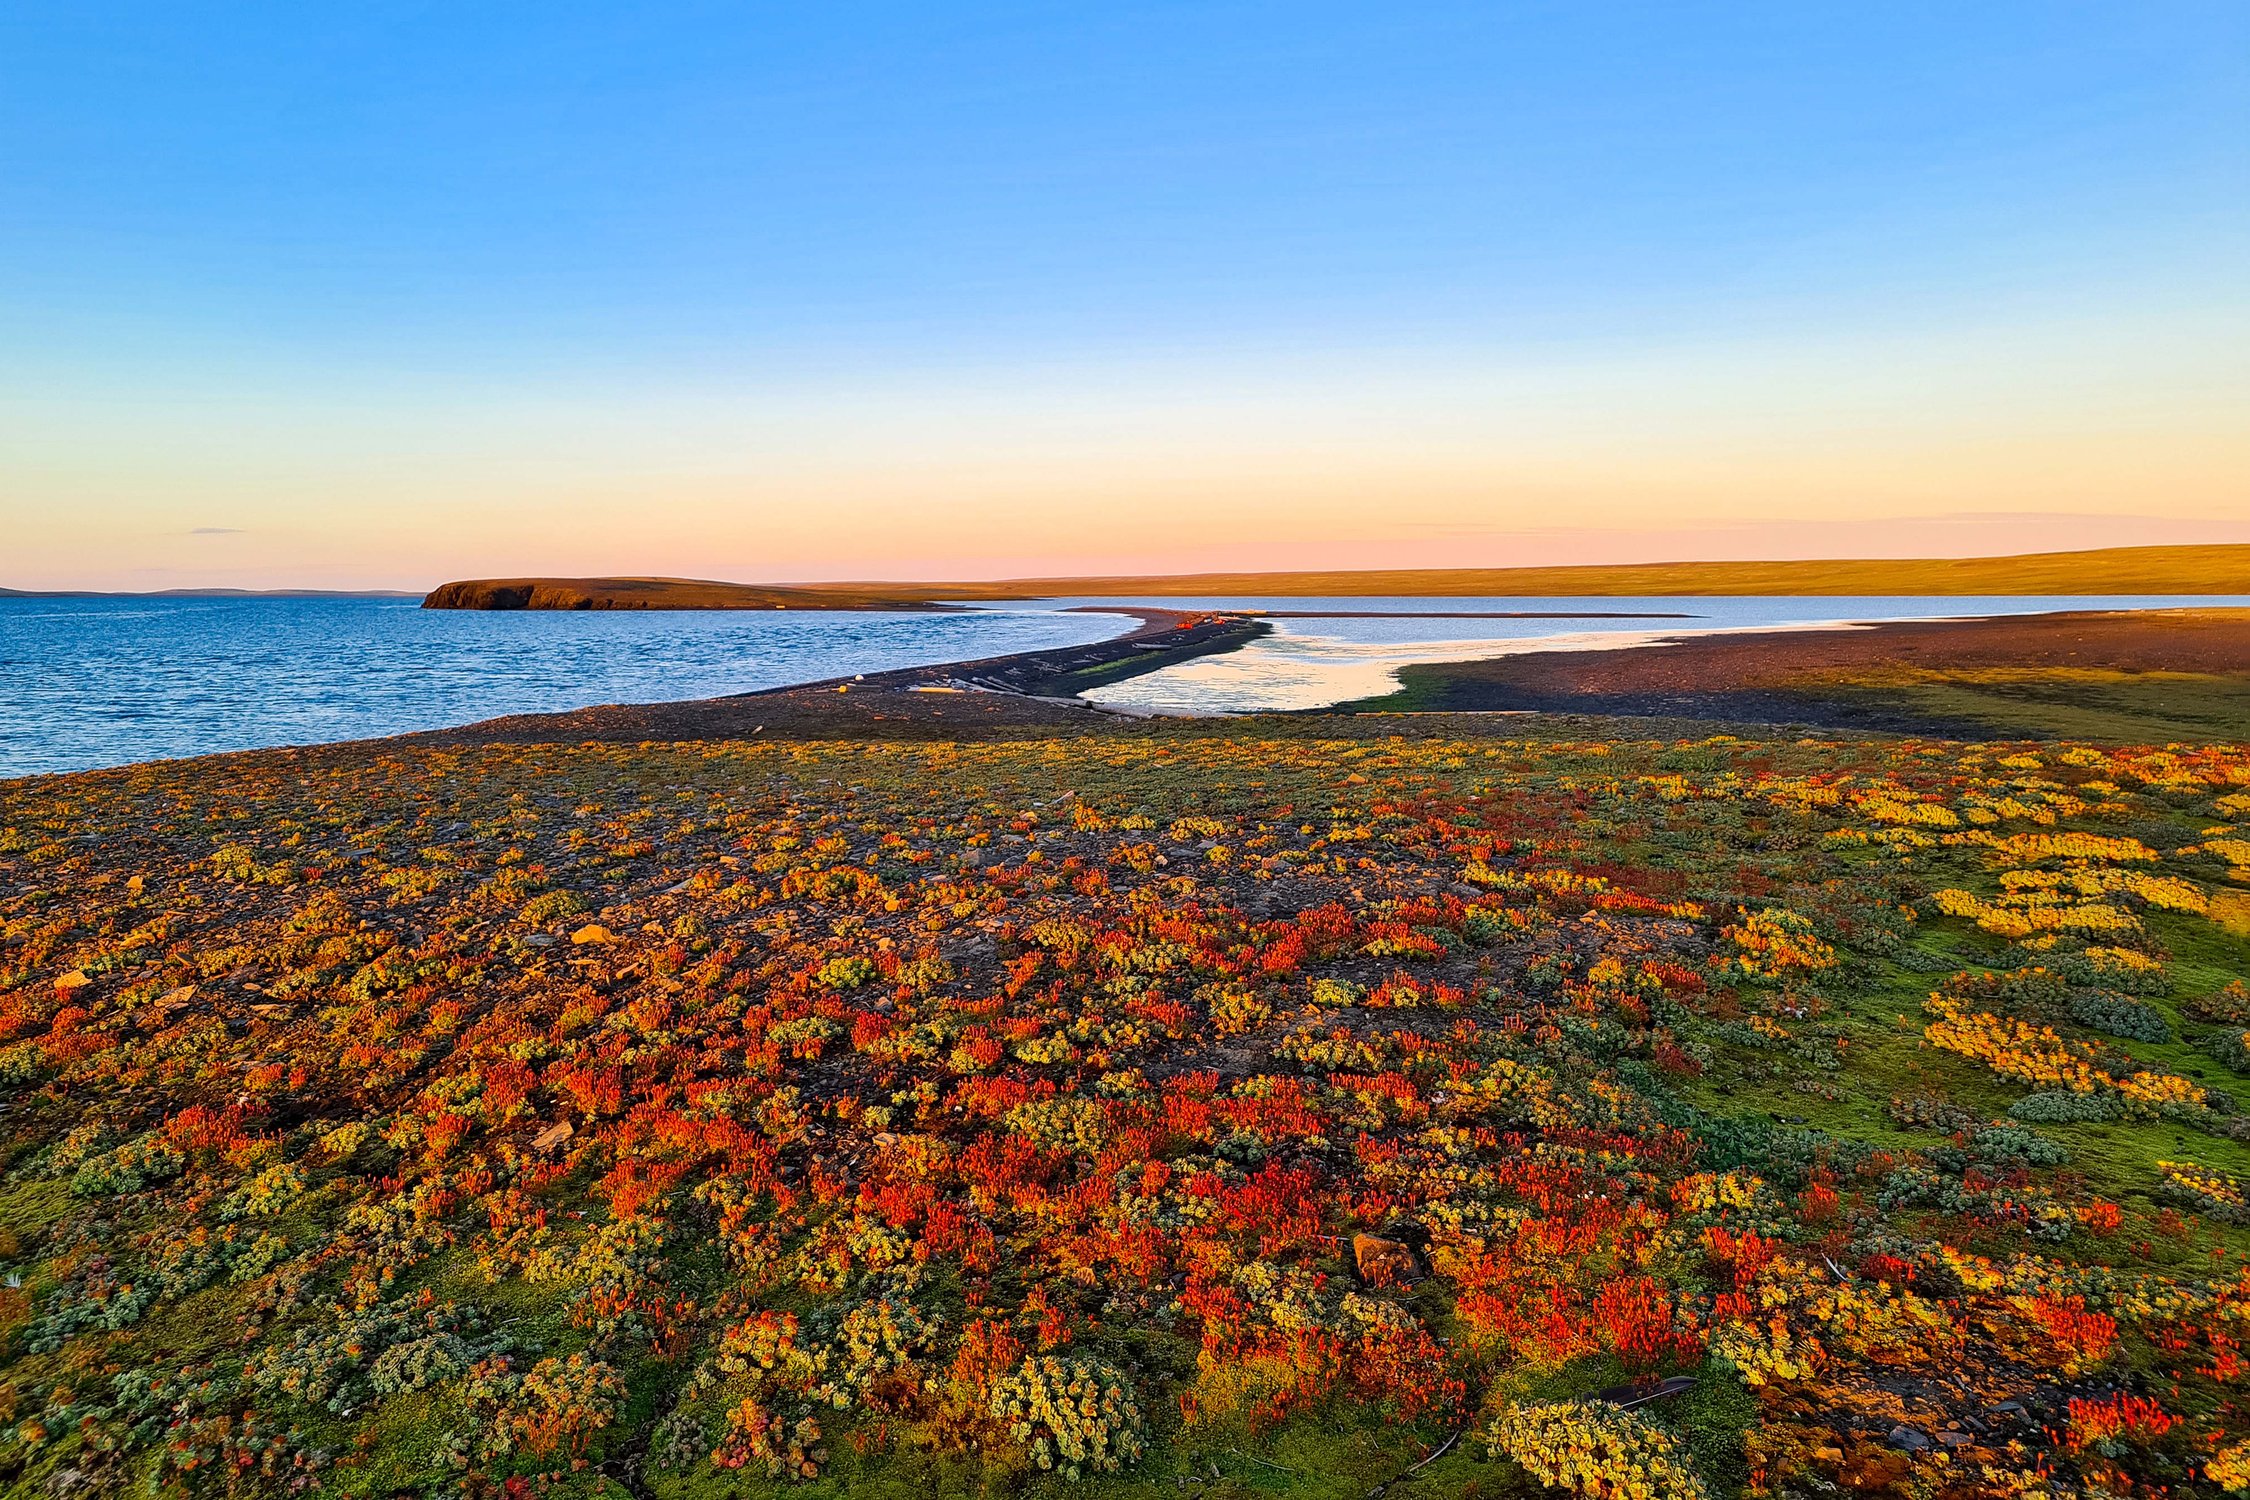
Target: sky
{"x": 385, "y": 294}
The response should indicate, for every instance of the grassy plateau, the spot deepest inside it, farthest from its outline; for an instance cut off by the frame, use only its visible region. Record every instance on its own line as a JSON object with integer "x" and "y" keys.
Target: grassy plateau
{"x": 2214, "y": 569}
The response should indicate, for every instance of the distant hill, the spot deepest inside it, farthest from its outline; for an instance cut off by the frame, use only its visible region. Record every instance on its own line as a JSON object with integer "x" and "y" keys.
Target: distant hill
{"x": 2110, "y": 570}
{"x": 660, "y": 593}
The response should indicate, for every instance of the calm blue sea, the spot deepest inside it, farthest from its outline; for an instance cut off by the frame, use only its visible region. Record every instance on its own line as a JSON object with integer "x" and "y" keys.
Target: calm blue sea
{"x": 103, "y": 682}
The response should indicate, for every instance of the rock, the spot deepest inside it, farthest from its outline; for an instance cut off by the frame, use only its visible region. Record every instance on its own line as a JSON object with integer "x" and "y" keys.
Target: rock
{"x": 76, "y": 979}
{"x": 541, "y": 940}
{"x": 171, "y": 1000}
{"x": 1907, "y": 1440}
{"x": 553, "y": 1136}
{"x": 593, "y": 932}
{"x": 1955, "y": 1439}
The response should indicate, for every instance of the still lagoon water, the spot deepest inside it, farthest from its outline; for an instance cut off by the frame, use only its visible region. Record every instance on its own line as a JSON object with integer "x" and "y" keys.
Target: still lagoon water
{"x": 1313, "y": 660}
{"x": 102, "y": 682}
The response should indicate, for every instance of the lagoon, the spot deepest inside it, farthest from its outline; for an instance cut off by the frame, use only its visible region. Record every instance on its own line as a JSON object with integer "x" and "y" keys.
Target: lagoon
{"x": 1316, "y": 658}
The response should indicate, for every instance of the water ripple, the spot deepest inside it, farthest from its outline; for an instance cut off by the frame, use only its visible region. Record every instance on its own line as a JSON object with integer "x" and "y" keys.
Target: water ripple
{"x": 87, "y": 683}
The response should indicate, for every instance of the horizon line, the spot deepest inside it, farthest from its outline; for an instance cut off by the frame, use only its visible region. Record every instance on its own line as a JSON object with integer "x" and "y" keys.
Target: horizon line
{"x": 1144, "y": 578}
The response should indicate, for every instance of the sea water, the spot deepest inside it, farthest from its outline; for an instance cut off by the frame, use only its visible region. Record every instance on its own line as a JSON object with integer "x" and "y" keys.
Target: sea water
{"x": 105, "y": 681}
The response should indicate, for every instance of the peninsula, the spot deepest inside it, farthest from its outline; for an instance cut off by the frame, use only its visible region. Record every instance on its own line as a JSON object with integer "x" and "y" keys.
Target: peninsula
{"x": 657, "y": 593}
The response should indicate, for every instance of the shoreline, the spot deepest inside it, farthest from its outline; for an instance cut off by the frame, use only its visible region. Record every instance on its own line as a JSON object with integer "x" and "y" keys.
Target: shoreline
{"x": 1013, "y": 693}
{"x": 969, "y": 700}
{"x": 1163, "y": 638}
{"x": 1467, "y": 614}
{"x": 1726, "y": 675}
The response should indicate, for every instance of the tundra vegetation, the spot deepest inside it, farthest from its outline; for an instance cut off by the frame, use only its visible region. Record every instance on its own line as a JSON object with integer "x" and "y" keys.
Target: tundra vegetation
{"x": 1314, "y": 1110}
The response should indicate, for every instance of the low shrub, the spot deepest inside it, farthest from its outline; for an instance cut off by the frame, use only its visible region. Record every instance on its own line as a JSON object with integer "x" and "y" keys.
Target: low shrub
{"x": 2065, "y": 1107}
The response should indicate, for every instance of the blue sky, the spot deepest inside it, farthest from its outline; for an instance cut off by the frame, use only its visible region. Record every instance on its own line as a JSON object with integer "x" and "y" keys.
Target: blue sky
{"x": 421, "y": 239}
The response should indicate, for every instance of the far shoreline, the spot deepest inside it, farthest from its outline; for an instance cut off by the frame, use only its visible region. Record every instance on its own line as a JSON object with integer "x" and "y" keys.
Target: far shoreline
{"x": 934, "y": 703}
{"x": 1844, "y": 676}
{"x": 2212, "y": 569}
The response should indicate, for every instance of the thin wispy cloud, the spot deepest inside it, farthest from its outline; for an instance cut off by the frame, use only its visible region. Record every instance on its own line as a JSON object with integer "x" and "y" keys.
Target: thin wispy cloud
{"x": 217, "y": 531}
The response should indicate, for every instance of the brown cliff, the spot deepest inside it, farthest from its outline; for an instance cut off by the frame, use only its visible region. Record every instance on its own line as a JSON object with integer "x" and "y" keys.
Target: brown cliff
{"x": 651, "y": 593}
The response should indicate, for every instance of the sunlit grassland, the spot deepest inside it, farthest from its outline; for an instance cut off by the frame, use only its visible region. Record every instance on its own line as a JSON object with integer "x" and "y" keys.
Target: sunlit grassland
{"x": 2064, "y": 703}
{"x": 891, "y": 1070}
{"x": 2178, "y": 570}
{"x": 2101, "y": 705}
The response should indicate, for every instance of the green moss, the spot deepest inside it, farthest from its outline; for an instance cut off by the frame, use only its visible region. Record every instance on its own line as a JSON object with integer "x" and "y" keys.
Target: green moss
{"x": 2068, "y": 704}
{"x": 1714, "y": 1418}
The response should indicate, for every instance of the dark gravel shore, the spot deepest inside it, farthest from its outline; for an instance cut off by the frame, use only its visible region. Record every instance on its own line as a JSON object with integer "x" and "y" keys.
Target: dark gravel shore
{"x": 1003, "y": 697}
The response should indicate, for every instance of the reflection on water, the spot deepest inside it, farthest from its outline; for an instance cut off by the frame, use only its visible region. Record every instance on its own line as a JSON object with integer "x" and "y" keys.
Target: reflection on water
{"x": 1316, "y": 662}
{"x": 1286, "y": 670}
